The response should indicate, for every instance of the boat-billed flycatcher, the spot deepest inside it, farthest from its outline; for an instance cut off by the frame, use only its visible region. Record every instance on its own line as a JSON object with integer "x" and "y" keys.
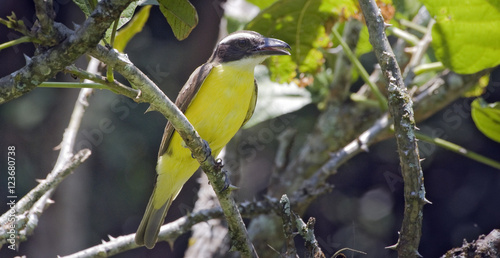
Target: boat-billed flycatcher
{"x": 218, "y": 99}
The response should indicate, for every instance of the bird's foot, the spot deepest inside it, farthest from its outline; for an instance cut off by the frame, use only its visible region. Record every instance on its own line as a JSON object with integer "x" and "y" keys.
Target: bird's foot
{"x": 206, "y": 148}
{"x": 227, "y": 181}
{"x": 218, "y": 164}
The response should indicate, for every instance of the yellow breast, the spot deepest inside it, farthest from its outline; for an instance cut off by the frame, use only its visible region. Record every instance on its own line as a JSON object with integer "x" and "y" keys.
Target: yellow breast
{"x": 220, "y": 107}
{"x": 217, "y": 112}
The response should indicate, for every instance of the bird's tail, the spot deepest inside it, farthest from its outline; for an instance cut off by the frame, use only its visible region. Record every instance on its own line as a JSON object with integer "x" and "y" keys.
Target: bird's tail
{"x": 147, "y": 233}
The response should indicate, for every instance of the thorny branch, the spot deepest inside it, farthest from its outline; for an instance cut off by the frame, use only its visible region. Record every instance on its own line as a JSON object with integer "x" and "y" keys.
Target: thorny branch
{"x": 45, "y": 65}
{"x": 401, "y": 110}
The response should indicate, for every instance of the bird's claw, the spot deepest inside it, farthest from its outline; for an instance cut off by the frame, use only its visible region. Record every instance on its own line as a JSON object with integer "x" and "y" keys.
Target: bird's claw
{"x": 227, "y": 181}
{"x": 206, "y": 148}
{"x": 218, "y": 164}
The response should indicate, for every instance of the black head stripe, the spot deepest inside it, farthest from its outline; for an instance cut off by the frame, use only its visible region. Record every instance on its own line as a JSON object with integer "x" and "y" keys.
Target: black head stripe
{"x": 236, "y": 46}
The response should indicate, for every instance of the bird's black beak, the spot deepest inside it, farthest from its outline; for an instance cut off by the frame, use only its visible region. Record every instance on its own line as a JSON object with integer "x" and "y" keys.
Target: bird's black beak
{"x": 273, "y": 47}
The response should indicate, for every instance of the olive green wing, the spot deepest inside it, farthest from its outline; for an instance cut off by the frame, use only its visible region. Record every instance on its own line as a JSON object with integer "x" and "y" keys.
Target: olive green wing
{"x": 186, "y": 95}
{"x": 253, "y": 102}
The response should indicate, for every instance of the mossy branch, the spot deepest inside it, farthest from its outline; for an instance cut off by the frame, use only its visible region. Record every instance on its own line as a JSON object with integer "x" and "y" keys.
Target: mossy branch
{"x": 41, "y": 67}
{"x": 401, "y": 110}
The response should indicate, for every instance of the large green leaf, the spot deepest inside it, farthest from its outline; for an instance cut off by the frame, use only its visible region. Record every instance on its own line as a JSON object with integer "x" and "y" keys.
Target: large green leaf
{"x": 133, "y": 27}
{"x": 487, "y": 118}
{"x": 466, "y": 35}
{"x": 181, "y": 15}
{"x": 303, "y": 24}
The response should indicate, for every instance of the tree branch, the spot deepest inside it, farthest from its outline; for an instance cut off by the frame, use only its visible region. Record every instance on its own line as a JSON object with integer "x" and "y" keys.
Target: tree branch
{"x": 401, "y": 109}
{"x": 172, "y": 230}
{"x": 114, "y": 86}
{"x": 44, "y": 66}
{"x": 45, "y": 14}
{"x": 39, "y": 197}
{"x": 484, "y": 246}
{"x": 288, "y": 217}
{"x": 31, "y": 206}
{"x": 306, "y": 230}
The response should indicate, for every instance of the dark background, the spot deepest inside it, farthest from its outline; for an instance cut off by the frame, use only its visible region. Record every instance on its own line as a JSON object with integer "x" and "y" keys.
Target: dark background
{"x": 107, "y": 195}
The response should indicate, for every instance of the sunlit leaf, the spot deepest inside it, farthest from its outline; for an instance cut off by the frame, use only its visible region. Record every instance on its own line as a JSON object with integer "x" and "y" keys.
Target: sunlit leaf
{"x": 466, "y": 35}
{"x": 487, "y": 118}
{"x": 478, "y": 89}
{"x": 133, "y": 27}
{"x": 305, "y": 25}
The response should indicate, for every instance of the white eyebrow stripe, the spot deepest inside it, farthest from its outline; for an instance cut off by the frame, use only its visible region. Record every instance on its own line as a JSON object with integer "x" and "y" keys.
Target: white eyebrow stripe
{"x": 237, "y": 35}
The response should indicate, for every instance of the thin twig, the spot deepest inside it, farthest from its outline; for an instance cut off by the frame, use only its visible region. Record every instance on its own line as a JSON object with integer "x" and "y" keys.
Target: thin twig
{"x": 362, "y": 72}
{"x": 287, "y": 217}
{"x": 14, "y": 42}
{"x": 430, "y": 67}
{"x": 459, "y": 149}
{"x": 338, "y": 158}
{"x": 401, "y": 109}
{"x": 306, "y": 230}
{"x": 416, "y": 58}
{"x": 406, "y": 36}
{"x": 114, "y": 86}
{"x": 413, "y": 25}
{"x": 342, "y": 73}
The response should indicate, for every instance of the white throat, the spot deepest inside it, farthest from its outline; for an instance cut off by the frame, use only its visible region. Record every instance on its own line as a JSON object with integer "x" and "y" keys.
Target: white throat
{"x": 246, "y": 63}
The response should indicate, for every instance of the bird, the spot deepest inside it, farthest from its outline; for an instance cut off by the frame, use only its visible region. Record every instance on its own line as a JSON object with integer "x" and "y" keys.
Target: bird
{"x": 218, "y": 99}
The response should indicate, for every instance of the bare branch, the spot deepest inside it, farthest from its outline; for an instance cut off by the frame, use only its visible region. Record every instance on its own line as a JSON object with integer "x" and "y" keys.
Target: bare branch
{"x": 484, "y": 246}
{"x": 114, "y": 86}
{"x": 287, "y": 216}
{"x": 306, "y": 230}
{"x": 172, "y": 230}
{"x": 31, "y": 206}
{"x": 28, "y": 204}
{"x": 44, "y": 66}
{"x": 401, "y": 110}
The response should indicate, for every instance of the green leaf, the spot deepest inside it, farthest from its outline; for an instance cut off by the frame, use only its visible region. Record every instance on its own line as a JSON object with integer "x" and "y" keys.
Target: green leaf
{"x": 133, "y": 27}
{"x": 303, "y": 24}
{"x": 181, "y": 15}
{"x": 480, "y": 87}
{"x": 364, "y": 45}
{"x": 487, "y": 118}
{"x": 262, "y": 4}
{"x": 466, "y": 35}
{"x": 125, "y": 17}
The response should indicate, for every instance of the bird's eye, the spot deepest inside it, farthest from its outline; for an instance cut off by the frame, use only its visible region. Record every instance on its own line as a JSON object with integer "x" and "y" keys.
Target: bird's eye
{"x": 242, "y": 43}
